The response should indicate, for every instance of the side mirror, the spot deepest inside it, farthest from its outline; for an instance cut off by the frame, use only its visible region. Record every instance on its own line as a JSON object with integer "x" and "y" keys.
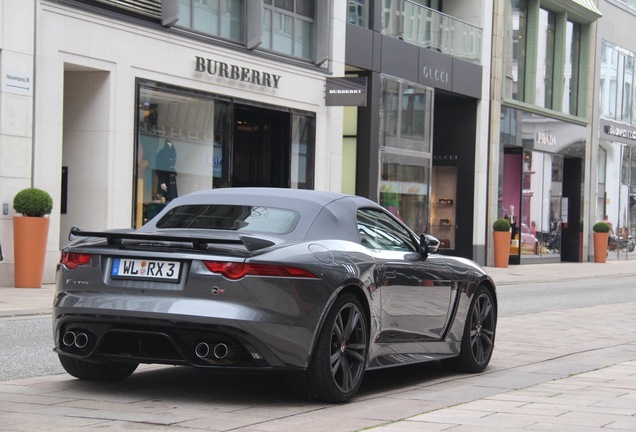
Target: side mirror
{"x": 433, "y": 244}
{"x": 428, "y": 245}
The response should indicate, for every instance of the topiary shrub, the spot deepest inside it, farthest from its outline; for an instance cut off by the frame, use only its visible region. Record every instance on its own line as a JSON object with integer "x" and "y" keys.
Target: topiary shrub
{"x": 601, "y": 227}
{"x": 33, "y": 202}
{"x": 501, "y": 225}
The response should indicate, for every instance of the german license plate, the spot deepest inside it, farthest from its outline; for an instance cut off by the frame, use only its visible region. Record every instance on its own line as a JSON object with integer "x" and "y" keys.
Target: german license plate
{"x": 146, "y": 269}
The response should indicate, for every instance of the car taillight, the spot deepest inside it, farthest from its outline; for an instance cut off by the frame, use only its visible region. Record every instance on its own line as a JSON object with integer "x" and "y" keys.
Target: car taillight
{"x": 73, "y": 260}
{"x": 236, "y": 271}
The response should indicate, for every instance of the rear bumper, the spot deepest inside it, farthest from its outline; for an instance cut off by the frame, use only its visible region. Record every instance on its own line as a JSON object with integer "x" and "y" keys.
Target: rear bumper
{"x": 141, "y": 340}
{"x": 166, "y": 329}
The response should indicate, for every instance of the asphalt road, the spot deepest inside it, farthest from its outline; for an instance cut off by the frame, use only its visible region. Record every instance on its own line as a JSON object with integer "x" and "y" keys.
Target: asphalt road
{"x": 26, "y": 348}
{"x": 532, "y": 298}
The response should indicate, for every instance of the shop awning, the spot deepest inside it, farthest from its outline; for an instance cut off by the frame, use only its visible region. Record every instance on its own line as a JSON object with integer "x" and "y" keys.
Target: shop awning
{"x": 583, "y": 11}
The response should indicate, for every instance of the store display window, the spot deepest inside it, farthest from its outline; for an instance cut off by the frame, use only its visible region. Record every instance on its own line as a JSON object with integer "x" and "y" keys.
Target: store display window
{"x": 405, "y": 154}
{"x": 443, "y": 205}
{"x": 180, "y": 146}
{"x": 189, "y": 141}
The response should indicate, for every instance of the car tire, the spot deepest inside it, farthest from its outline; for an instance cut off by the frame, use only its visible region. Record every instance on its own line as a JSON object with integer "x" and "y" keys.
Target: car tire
{"x": 339, "y": 359}
{"x": 478, "y": 339}
{"x": 89, "y": 371}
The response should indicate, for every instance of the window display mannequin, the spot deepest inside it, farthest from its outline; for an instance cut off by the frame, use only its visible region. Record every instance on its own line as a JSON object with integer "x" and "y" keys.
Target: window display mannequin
{"x": 513, "y": 221}
{"x": 166, "y": 174}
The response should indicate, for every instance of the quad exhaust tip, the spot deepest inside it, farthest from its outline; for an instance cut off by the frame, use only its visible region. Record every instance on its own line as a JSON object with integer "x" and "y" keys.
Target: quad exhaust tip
{"x": 78, "y": 340}
{"x": 219, "y": 351}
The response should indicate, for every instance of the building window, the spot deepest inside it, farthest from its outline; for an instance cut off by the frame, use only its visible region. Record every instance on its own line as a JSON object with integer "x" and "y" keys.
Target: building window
{"x": 405, "y": 153}
{"x": 546, "y": 57}
{"x": 515, "y": 73}
{"x": 617, "y": 95}
{"x": 288, "y": 27}
{"x": 572, "y": 61}
{"x": 407, "y": 109}
{"x": 189, "y": 141}
{"x": 302, "y": 151}
{"x": 182, "y": 144}
{"x": 358, "y": 12}
{"x": 631, "y": 4}
{"x": 220, "y": 18}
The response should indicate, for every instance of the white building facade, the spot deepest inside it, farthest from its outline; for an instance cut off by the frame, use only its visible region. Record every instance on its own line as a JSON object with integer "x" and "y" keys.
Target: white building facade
{"x": 95, "y": 94}
{"x": 615, "y": 118}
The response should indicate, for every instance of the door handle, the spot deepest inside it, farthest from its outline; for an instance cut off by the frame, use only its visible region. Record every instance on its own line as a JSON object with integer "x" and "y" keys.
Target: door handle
{"x": 390, "y": 274}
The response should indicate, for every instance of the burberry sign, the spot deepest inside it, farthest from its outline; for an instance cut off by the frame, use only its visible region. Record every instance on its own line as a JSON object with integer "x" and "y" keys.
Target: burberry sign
{"x": 236, "y": 73}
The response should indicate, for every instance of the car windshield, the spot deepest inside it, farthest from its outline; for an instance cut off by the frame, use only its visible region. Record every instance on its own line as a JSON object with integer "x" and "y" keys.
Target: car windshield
{"x": 230, "y": 217}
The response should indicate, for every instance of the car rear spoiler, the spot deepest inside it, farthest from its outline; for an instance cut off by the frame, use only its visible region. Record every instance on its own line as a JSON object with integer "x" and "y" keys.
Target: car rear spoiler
{"x": 251, "y": 243}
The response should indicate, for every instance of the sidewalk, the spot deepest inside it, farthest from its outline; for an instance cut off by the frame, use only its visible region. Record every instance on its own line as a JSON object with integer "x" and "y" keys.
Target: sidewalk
{"x": 537, "y": 273}
{"x": 16, "y": 302}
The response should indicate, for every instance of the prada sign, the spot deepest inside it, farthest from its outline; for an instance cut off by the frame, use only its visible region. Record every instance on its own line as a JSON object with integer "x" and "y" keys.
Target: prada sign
{"x": 348, "y": 91}
{"x": 237, "y": 73}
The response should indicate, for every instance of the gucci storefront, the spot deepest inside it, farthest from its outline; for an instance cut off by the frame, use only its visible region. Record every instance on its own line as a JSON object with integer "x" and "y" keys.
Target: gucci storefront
{"x": 414, "y": 143}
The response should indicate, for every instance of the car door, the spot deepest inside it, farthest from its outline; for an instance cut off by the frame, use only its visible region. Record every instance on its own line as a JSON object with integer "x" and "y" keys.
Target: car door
{"x": 416, "y": 292}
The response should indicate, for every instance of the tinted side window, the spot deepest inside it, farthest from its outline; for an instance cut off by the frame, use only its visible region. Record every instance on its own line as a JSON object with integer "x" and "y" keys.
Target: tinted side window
{"x": 379, "y": 231}
{"x": 230, "y": 217}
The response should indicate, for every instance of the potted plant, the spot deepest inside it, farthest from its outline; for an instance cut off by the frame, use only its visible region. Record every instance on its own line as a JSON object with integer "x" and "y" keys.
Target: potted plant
{"x": 30, "y": 234}
{"x": 501, "y": 237}
{"x": 601, "y": 238}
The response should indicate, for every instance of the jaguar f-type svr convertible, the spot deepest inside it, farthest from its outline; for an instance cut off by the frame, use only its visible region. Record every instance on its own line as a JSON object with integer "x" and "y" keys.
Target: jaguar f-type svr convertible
{"x": 317, "y": 286}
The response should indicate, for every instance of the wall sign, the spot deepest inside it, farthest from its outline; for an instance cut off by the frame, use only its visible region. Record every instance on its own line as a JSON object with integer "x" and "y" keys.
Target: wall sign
{"x": 435, "y": 74}
{"x": 436, "y": 70}
{"x": 546, "y": 139}
{"x": 17, "y": 83}
{"x": 620, "y": 132}
{"x": 236, "y": 73}
{"x": 347, "y": 91}
{"x": 445, "y": 157}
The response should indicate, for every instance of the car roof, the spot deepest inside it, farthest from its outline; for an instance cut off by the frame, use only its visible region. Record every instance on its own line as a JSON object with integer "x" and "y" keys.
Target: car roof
{"x": 323, "y": 214}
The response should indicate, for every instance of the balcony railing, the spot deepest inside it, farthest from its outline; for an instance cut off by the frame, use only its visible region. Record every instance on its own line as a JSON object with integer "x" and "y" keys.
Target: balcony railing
{"x": 428, "y": 28}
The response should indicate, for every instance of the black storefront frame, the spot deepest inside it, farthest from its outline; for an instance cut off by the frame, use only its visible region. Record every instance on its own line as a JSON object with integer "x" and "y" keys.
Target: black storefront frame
{"x": 372, "y": 54}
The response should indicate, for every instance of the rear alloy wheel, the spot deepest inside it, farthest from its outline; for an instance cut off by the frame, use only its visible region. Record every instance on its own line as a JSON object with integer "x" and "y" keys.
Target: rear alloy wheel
{"x": 478, "y": 339}
{"x": 339, "y": 359}
{"x": 89, "y": 371}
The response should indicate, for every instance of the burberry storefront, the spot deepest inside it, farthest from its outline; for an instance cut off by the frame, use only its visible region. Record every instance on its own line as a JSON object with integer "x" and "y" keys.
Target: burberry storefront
{"x": 617, "y": 177}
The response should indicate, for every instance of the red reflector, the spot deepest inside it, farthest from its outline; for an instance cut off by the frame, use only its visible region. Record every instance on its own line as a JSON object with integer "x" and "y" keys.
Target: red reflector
{"x": 236, "y": 271}
{"x": 73, "y": 260}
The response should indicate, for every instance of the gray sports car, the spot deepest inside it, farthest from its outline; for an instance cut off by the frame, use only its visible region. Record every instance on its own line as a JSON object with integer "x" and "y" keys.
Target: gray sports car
{"x": 321, "y": 286}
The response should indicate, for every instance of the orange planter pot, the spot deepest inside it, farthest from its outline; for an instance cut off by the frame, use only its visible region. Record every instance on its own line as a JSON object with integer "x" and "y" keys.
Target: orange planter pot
{"x": 502, "y": 248}
{"x": 30, "y": 235}
{"x": 600, "y": 246}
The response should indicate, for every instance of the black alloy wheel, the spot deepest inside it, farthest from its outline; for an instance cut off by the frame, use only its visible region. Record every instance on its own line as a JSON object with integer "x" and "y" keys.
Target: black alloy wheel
{"x": 478, "y": 339}
{"x": 482, "y": 328}
{"x": 340, "y": 355}
{"x": 348, "y": 348}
